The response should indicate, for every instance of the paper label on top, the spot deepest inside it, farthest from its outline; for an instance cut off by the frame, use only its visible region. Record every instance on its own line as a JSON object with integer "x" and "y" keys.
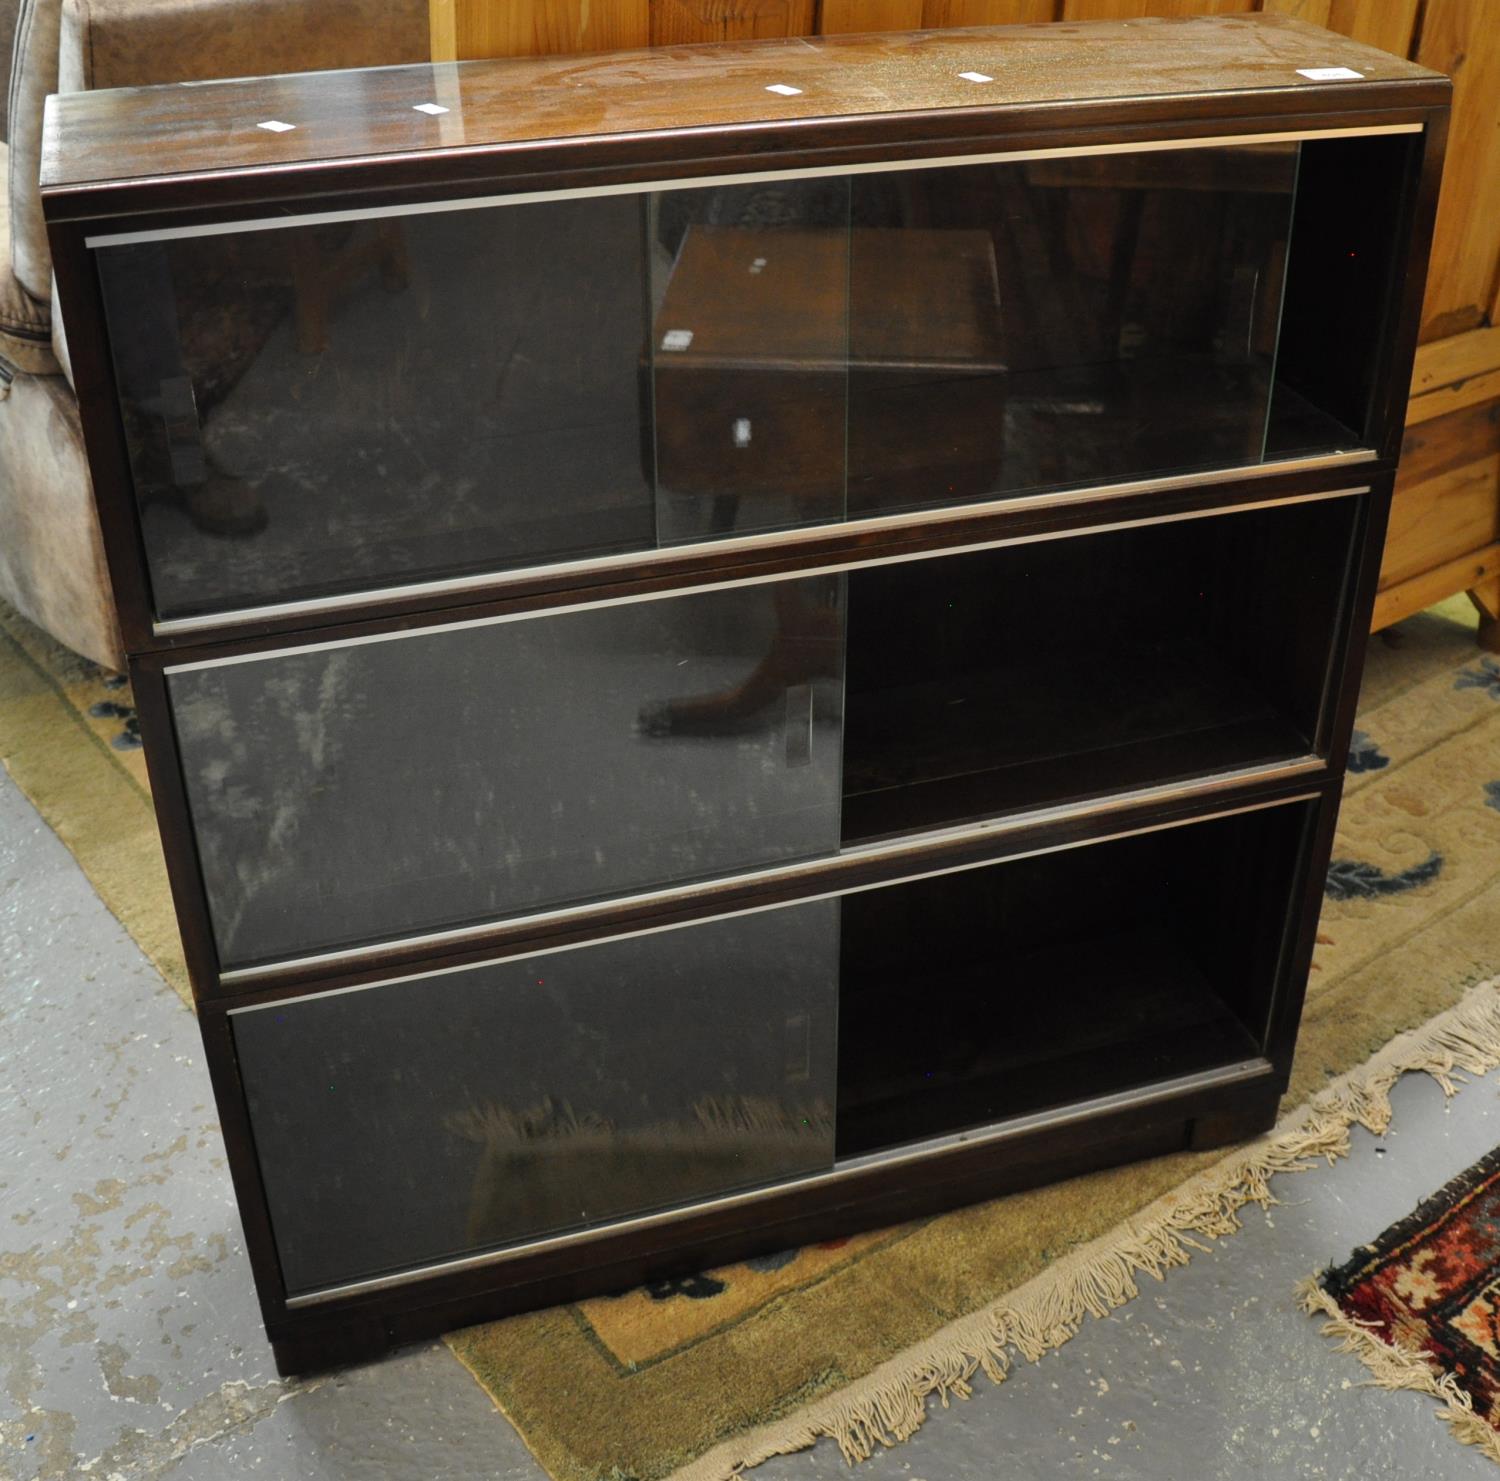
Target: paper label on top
{"x": 1329, "y": 74}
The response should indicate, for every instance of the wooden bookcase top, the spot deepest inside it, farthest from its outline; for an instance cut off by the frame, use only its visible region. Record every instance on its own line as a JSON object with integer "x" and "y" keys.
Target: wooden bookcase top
{"x": 706, "y": 102}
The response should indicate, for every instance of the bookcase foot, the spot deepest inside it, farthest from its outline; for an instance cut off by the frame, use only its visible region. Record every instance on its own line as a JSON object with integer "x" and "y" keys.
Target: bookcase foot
{"x": 1486, "y": 600}
{"x": 314, "y": 1349}
{"x": 1239, "y": 1123}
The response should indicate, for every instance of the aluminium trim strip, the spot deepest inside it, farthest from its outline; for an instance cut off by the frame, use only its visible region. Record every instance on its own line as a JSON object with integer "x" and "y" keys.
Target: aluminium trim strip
{"x": 769, "y": 539}
{"x": 701, "y": 587}
{"x": 1240, "y": 1072}
{"x": 810, "y": 172}
{"x": 993, "y": 828}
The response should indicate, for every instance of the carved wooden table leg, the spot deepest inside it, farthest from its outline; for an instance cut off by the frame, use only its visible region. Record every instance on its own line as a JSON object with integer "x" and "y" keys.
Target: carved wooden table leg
{"x": 1486, "y": 597}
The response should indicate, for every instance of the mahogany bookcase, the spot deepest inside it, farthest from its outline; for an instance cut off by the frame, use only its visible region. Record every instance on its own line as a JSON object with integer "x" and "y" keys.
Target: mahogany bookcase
{"x": 738, "y": 643}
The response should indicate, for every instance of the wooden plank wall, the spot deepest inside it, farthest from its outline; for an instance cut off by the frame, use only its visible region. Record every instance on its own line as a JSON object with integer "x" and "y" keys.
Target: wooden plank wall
{"x": 1445, "y": 533}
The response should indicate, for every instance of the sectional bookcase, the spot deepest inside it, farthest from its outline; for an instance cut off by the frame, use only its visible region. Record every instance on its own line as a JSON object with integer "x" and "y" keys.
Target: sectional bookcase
{"x": 736, "y": 644}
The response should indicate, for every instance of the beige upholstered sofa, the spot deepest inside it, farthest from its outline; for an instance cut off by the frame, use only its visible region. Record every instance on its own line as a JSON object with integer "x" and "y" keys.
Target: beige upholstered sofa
{"x": 51, "y": 562}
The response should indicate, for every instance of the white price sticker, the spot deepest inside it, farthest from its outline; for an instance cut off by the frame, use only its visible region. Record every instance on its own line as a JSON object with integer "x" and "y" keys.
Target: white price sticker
{"x": 1329, "y": 74}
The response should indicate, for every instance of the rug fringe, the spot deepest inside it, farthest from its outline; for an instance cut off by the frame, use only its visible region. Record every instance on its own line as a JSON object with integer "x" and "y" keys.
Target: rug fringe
{"x": 1395, "y": 1367}
{"x": 888, "y": 1405}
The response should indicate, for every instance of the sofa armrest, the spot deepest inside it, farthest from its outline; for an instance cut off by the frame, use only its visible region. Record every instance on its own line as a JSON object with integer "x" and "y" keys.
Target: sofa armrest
{"x": 133, "y": 43}
{"x": 33, "y": 74}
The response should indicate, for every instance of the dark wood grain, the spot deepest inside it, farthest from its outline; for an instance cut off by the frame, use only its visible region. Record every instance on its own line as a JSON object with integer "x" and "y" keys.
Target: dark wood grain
{"x": 212, "y": 129}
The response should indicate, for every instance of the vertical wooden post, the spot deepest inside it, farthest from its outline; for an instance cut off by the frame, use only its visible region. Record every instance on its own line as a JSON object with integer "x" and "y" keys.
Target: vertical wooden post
{"x": 442, "y": 22}
{"x": 516, "y": 28}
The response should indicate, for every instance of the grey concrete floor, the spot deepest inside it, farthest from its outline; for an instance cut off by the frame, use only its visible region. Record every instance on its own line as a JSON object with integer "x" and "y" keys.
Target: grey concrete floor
{"x": 130, "y": 1345}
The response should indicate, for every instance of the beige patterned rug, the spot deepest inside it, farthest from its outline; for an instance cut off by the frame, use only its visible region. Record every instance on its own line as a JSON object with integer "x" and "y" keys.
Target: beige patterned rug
{"x": 694, "y": 1377}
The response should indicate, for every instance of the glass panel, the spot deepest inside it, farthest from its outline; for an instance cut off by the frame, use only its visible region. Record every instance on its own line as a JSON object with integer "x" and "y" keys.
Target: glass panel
{"x": 437, "y": 1116}
{"x": 357, "y": 792}
{"x": 1067, "y": 321}
{"x": 323, "y": 409}
{"x": 326, "y": 408}
{"x": 1051, "y": 980}
{"x": 331, "y": 408}
{"x": 1043, "y": 673}
{"x": 416, "y": 1121}
{"x": 750, "y": 356}
{"x": 352, "y": 793}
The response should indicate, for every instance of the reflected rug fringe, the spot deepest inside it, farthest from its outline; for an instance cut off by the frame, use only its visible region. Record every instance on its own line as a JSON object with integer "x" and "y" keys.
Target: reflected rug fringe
{"x": 888, "y": 1405}
{"x": 724, "y": 1118}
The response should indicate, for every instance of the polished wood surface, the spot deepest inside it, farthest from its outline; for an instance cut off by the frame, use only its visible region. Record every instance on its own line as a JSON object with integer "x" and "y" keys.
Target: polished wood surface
{"x": 132, "y": 134}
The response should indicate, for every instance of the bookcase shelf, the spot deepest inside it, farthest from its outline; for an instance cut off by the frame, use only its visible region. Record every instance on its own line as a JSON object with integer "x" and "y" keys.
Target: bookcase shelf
{"x": 722, "y": 667}
{"x": 981, "y": 684}
{"x": 1161, "y": 940}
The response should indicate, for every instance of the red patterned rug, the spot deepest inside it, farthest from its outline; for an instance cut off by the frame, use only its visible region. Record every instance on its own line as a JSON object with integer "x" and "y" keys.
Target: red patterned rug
{"x": 1421, "y": 1305}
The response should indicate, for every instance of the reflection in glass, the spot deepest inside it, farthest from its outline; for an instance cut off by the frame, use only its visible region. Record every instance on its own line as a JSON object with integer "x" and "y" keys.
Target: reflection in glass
{"x": 1128, "y": 327}
{"x": 750, "y": 356}
{"x": 355, "y": 793}
{"x": 418, "y": 1120}
{"x": 383, "y": 402}
{"x": 323, "y": 409}
{"x": 425, "y": 1119}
